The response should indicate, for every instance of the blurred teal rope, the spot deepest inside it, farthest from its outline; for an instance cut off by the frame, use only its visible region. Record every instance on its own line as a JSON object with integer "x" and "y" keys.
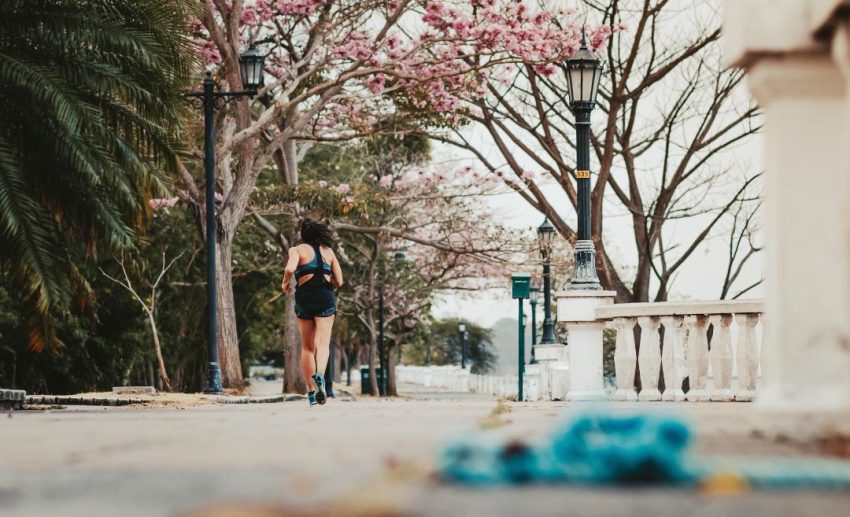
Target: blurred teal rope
{"x": 604, "y": 449}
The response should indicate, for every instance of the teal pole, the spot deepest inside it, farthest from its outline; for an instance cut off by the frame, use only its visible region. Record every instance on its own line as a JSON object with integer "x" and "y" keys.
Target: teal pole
{"x": 521, "y": 362}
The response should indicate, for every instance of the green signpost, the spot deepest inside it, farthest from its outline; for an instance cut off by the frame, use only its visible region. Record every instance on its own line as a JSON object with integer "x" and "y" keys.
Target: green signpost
{"x": 520, "y": 290}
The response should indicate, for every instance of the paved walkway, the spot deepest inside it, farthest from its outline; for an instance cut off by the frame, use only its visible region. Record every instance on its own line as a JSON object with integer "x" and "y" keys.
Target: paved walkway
{"x": 365, "y": 457}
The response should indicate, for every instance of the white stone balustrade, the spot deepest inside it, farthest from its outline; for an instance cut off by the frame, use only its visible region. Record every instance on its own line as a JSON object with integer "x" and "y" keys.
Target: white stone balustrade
{"x": 715, "y": 369}
{"x": 453, "y": 378}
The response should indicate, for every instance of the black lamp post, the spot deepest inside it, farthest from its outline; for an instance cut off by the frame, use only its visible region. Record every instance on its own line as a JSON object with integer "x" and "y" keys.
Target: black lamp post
{"x": 383, "y": 357}
{"x": 461, "y": 328}
{"x": 251, "y": 72}
{"x": 545, "y": 239}
{"x": 533, "y": 299}
{"x": 584, "y": 70}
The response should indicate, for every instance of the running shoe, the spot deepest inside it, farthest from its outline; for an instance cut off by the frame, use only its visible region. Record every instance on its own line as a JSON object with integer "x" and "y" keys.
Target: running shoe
{"x": 321, "y": 394}
{"x": 311, "y": 398}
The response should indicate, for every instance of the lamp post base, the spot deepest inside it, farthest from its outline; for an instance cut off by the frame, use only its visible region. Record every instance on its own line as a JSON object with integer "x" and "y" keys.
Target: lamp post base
{"x": 549, "y": 332}
{"x": 584, "y": 276}
{"x": 213, "y": 379}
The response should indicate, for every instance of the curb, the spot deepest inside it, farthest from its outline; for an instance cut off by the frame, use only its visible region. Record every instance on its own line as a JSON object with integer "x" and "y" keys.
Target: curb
{"x": 38, "y": 400}
{"x": 256, "y": 400}
{"x": 49, "y": 400}
{"x": 12, "y": 399}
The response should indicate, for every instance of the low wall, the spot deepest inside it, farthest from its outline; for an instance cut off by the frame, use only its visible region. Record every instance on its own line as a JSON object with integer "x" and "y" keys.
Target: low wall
{"x": 453, "y": 378}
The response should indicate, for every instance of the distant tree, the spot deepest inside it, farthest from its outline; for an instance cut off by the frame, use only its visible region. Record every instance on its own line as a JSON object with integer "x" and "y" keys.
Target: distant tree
{"x": 446, "y": 345}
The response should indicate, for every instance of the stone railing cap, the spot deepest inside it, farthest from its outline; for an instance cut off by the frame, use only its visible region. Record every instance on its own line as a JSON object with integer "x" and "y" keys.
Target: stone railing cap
{"x": 679, "y": 308}
{"x": 586, "y": 293}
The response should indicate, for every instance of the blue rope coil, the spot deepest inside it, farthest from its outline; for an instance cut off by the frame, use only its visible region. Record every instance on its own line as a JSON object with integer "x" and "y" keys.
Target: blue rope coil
{"x": 606, "y": 449}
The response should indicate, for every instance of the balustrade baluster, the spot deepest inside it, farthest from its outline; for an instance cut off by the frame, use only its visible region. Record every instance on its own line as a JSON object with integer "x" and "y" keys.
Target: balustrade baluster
{"x": 649, "y": 358}
{"x": 673, "y": 358}
{"x": 747, "y": 356}
{"x": 625, "y": 358}
{"x": 721, "y": 357}
{"x": 697, "y": 357}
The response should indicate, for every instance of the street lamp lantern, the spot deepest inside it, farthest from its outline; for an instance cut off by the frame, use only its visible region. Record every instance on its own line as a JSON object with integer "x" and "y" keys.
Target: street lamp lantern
{"x": 251, "y": 64}
{"x": 584, "y": 70}
{"x": 546, "y": 238}
{"x": 461, "y": 327}
{"x": 534, "y": 299}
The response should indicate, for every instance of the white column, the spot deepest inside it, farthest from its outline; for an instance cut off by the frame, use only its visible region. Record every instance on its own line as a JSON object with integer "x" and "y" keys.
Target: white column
{"x": 577, "y": 309}
{"x": 806, "y": 362}
{"x": 554, "y": 370}
{"x": 721, "y": 357}
{"x": 746, "y": 356}
{"x": 531, "y": 383}
{"x": 649, "y": 358}
{"x": 625, "y": 358}
{"x": 696, "y": 357}
{"x": 673, "y": 358}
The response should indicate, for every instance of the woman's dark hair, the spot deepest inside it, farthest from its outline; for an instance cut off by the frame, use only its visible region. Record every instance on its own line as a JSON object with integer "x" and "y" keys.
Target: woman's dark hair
{"x": 315, "y": 233}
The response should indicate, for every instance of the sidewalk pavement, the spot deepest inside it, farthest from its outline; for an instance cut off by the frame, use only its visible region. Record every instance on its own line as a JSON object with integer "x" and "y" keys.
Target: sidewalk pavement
{"x": 363, "y": 457}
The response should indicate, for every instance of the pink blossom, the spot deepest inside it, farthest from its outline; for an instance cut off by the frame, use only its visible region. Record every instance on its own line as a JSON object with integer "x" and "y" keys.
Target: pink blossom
{"x": 376, "y": 83}
{"x": 545, "y": 70}
{"x": 323, "y": 183}
{"x": 343, "y": 188}
{"x": 249, "y": 15}
{"x": 209, "y": 53}
{"x": 158, "y": 203}
{"x": 386, "y": 181}
{"x": 195, "y": 25}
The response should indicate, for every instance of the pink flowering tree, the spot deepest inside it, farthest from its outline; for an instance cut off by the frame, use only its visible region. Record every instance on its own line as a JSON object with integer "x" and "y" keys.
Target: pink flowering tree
{"x": 336, "y": 70}
{"x": 383, "y": 197}
{"x": 668, "y": 121}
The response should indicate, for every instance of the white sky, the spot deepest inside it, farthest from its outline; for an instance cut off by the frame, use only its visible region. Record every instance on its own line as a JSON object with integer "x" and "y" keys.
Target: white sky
{"x": 699, "y": 279}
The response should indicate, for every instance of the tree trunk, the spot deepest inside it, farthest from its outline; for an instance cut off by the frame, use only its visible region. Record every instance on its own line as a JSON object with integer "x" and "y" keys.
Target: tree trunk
{"x": 228, "y": 338}
{"x": 392, "y": 389}
{"x": 163, "y": 373}
{"x": 149, "y": 371}
{"x": 293, "y": 381}
{"x": 336, "y": 361}
{"x": 348, "y": 361}
{"x": 370, "y": 356}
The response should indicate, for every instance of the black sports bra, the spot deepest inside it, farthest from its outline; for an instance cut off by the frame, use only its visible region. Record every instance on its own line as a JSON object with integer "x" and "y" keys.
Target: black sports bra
{"x": 315, "y": 266}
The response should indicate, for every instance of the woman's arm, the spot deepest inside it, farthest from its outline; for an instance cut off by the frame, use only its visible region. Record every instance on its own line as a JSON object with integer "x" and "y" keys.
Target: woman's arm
{"x": 289, "y": 271}
{"x": 336, "y": 273}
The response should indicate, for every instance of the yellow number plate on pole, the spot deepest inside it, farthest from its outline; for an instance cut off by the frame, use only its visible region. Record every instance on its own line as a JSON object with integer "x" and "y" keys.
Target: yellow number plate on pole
{"x": 582, "y": 174}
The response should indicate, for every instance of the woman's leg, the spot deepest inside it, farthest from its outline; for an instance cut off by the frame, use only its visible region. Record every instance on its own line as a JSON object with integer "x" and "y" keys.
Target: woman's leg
{"x": 308, "y": 366}
{"x": 322, "y": 340}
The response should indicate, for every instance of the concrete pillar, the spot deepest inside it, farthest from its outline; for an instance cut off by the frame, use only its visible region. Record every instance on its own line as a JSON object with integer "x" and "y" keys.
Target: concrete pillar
{"x": 577, "y": 310}
{"x": 554, "y": 370}
{"x": 806, "y": 350}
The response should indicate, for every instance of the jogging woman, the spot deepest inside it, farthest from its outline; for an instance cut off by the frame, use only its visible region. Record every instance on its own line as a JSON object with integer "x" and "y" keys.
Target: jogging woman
{"x": 317, "y": 273}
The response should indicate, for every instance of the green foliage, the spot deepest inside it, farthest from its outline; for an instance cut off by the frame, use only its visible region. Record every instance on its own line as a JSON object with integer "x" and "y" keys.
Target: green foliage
{"x": 445, "y": 344}
{"x": 89, "y": 107}
{"x": 110, "y": 343}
